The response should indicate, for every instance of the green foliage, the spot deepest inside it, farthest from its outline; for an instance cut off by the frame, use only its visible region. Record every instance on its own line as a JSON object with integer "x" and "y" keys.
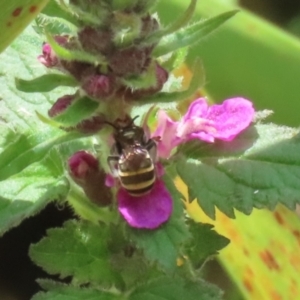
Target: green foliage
{"x": 32, "y": 155}
{"x": 204, "y": 243}
{"x": 65, "y": 292}
{"x": 79, "y": 249}
{"x": 191, "y": 34}
{"x": 161, "y": 288}
{"x": 196, "y": 83}
{"x": 28, "y": 191}
{"x": 77, "y": 55}
{"x": 55, "y": 10}
{"x": 258, "y": 169}
{"x": 45, "y": 83}
{"x": 176, "y": 289}
{"x": 162, "y": 245}
{"x": 77, "y": 111}
{"x": 29, "y": 148}
{"x": 176, "y": 25}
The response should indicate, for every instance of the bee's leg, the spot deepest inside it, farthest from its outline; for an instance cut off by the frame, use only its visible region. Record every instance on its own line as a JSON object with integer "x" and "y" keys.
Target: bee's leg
{"x": 151, "y": 147}
{"x": 112, "y": 161}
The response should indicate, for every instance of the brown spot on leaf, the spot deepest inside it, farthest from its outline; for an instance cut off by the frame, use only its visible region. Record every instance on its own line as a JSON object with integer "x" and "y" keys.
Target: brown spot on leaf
{"x": 275, "y": 296}
{"x": 8, "y": 24}
{"x": 17, "y": 12}
{"x": 249, "y": 272}
{"x": 32, "y": 8}
{"x": 247, "y": 284}
{"x": 295, "y": 261}
{"x": 278, "y": 218}
{"x": 296, "y": 234}
{"x": 246, "y": 252}
{"x": 269, "y": 260}
{"x": 293, "y": 288}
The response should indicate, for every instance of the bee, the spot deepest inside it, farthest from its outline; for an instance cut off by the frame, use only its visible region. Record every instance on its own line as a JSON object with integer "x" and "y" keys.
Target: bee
{"x": 132, "y": 158}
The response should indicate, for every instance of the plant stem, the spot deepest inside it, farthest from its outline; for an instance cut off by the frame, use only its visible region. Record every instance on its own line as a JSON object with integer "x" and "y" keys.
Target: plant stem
{"x": 87, "y": 210}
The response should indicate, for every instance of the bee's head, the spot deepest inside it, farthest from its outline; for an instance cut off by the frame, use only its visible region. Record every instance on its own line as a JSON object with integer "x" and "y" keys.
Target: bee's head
{"x": 129, "y": 136}
{"x": 127, "y": 133}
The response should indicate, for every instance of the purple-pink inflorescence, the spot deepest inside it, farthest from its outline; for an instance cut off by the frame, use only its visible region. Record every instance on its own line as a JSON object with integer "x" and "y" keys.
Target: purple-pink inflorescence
{"x": 206, "y": 123}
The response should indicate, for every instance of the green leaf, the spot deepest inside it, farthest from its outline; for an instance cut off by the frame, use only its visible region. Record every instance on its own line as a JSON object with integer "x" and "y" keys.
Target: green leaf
{"x": 20, "y": 60}
{"x": 74, "y": 54}
{"x": 15, "y": 15}
{"x": 176, "y": 60}
{"x": 32, "y": 154}
{"x": 54, "y": 9}
{"x": 27, "y": 192}
{"x": 176, "y": 25}
{"x": 64, "y": 292}
{"x": 176, "y": 289}
{"x": 79, "y": 110}
{"x": 258, "y": 169}
{"x": 163, "y": 244}
{"x": 78, "y": 249}
{"x": 196, "y": 83}
{"x": 45, "y": 83}
{"x": 28, "y": 148}
{"x": 133, "y": 268}
{"x": 204, "y": 243}
{"x": 143, "y": 81}
{"x": 191, "y": 34}
{"x": 54, "y": 26}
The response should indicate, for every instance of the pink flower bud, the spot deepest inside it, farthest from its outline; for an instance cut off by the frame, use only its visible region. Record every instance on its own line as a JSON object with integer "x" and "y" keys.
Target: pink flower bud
{"x": 130, "y": 61}
{"x": 84, "y": 170}
{"x": 96, "y": 40}
{"x": 81, "y": 164}
{"x": 60, "y": 105}
{"x": 99, "y": 86}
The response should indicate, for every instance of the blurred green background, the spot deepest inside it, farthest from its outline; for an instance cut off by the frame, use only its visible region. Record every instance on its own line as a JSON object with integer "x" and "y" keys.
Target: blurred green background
{"x": 251, "y": 57}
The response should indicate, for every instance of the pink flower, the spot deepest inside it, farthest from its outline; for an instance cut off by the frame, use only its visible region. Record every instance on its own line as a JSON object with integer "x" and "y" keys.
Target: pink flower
{"x": 148, "y": 211}
{"x": 49, "y": 58}
{"x": 206, "y": 123}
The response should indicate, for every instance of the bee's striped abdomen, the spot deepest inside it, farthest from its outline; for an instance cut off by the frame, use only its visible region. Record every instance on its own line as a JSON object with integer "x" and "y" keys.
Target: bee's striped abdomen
{"x": 138, "y": 182}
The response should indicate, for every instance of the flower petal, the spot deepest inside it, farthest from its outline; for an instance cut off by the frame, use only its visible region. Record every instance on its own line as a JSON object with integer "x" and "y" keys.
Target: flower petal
{"x": 166, "y": 129}
{"x": 231, "y": 117}
{"x": 197, "y": 109}
{"x": 148, "y": 211}
{"x": 199, "y": 128}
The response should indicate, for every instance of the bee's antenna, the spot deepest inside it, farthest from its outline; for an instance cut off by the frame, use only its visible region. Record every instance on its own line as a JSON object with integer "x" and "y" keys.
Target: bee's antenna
{"x": 112, "y": 125}
{"x": 133, "y": 119}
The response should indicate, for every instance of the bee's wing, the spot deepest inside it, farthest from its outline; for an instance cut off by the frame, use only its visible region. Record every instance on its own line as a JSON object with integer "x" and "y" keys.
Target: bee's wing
{"x": 112, "y": 161}
{"x": 151, "y": 147}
